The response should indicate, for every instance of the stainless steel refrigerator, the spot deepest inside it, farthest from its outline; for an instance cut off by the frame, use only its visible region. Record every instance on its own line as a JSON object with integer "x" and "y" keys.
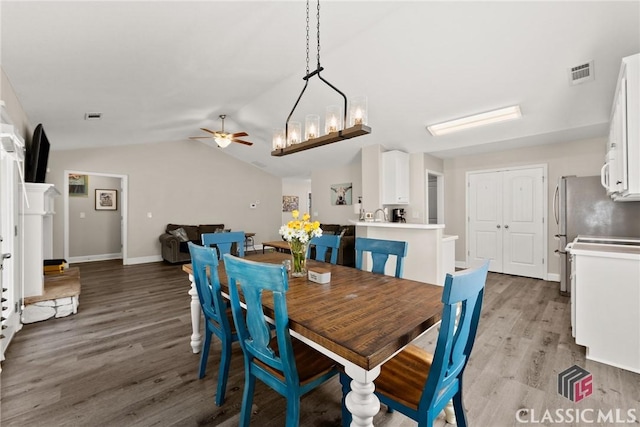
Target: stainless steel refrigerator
{"x": 582, "y": 207}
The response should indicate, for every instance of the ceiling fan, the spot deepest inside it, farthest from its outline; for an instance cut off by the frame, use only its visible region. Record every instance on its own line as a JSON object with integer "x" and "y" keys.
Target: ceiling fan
{"x": 222, "y": 138}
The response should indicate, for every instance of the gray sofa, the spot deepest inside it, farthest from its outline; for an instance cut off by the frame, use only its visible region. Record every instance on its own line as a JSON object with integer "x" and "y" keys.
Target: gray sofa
{"x": 174, "y": 242}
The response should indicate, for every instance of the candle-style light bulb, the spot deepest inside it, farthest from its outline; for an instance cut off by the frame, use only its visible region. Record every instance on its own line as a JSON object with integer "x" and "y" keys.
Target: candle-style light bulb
{"x": 358, "y": 116}
{"x": 333, "y": 124}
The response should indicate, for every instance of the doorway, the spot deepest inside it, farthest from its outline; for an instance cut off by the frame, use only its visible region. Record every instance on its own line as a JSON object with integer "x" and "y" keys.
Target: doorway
{"x": 506, "y": 212}
{"x": 93, "y": 232}
{"x": 434, "y": 209}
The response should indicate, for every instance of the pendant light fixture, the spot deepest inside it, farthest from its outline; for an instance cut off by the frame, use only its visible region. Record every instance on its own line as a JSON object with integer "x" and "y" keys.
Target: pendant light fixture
{"x": 335, "y": 119}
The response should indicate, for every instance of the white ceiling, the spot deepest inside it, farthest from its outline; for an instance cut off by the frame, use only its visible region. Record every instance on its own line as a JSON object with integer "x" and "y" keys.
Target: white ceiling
{"x": 160, "y": 70}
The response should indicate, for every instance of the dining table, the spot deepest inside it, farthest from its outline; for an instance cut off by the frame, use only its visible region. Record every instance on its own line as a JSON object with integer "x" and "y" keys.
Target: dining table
{"x": 359, "y": 319}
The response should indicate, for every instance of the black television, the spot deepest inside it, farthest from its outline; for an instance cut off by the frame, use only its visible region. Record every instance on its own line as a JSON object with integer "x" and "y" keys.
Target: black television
{"x": 37, "y": 156}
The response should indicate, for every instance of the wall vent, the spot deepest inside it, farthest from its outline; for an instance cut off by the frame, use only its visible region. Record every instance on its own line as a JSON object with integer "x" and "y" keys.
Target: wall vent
{"x": 581, "y": 73}
{"x": 92, "y": 116}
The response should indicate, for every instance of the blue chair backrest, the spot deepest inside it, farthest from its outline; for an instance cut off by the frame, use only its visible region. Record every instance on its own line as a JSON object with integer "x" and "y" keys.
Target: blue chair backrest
{"x": 457, "y": 334}
{"x": 224, "y": 241}
{"x": 204, "y": 262}
{"x": 255, "y": 334}
{"x": 322, "y": 244}
{"x": 380, "y": 251}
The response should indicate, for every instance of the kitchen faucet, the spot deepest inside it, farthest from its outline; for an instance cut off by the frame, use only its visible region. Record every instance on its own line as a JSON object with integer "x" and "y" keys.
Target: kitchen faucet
{"x": 384, "y": 214}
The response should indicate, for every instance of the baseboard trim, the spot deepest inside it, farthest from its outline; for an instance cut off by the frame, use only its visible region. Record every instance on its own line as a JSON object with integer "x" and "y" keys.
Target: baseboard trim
{"x": 88, "y": 258}
{"x": 142, "y": 260}
{"x": 553, "y": 277}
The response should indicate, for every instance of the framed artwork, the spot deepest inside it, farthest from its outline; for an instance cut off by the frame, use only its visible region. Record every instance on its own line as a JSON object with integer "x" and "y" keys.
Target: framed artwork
{"x": 106, "y": 200}
{"x": 289, "y": 203}
{"x": 78, "y": 185}
{"x": 341, "y": 194}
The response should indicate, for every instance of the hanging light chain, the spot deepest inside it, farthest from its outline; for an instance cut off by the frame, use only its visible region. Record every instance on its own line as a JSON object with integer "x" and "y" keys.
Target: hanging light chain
{"x": 307, "y": 37}
{"x": 318, "y": 34}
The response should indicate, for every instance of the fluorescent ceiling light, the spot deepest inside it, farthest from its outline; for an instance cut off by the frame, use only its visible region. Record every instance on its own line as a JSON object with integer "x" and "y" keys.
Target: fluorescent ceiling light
{"x": 481, "y": 119}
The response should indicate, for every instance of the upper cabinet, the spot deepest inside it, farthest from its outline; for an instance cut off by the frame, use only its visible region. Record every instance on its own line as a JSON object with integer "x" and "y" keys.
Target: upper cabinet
{"x": 621, "y": 173}
{"x": 395, "y": 178}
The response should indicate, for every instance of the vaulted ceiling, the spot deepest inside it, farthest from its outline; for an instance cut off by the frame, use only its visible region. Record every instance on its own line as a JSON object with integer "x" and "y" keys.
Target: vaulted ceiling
{"x": 160, "y": 70}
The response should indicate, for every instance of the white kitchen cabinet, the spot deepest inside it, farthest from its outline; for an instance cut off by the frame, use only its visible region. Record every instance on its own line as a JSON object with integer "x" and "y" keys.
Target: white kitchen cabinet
{"x": 606, "y": 300}
{"x": 395, "y": 178}
{"x": 621, "y": 171}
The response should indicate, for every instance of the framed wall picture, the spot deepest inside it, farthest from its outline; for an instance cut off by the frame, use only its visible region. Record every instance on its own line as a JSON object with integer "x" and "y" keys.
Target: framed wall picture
{"x": 78, "y": 185}
{"x": 341, "y": 194}
{"x": 106, "y": 200}
{"x": 289, "y": 203}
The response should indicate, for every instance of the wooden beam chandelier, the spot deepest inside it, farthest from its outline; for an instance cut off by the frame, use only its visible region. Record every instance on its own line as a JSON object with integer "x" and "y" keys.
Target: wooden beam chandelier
{"x": 291, "y": 139}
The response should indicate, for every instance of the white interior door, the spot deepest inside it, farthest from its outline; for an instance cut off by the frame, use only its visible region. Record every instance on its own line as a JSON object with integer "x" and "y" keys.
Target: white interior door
{"x": 507, "y": 220}
{"x": 485, "y": 219}
{"x": 523, "y": 222}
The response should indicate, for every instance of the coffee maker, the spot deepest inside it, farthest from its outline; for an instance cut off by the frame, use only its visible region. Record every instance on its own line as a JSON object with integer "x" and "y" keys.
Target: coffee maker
{"x": 398, "y": 215}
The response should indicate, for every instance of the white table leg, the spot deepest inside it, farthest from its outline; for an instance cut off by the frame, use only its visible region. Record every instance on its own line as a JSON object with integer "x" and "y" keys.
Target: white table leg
{"x": 449, "y": 413}
{"x": 361, "y": 401}
{"x": 196, "y": 338}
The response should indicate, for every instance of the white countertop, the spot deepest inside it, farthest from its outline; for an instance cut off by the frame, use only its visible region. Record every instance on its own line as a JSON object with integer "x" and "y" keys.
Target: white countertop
{"x": 404, "y": 225}
{"x": 604, "y": 250}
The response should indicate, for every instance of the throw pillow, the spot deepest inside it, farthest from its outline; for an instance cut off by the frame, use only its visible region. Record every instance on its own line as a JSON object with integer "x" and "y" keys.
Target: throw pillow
{"x": 180, "y": 234}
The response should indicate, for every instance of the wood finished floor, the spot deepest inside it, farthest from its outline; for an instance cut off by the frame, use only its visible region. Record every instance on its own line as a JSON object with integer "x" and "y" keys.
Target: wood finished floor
{"x": 125, "y": 360}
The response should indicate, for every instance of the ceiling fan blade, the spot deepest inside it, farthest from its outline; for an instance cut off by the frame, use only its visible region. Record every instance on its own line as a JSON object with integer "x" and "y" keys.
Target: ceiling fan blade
{"x": 242, "y": 142}
{"x": 210, "y": 131}
{"x": 233, "y": 135}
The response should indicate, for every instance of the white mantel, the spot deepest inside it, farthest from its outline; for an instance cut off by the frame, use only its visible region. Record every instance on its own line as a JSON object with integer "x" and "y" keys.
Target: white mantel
{"x": 38, "y": 235}
{"x": 430, "y": 253}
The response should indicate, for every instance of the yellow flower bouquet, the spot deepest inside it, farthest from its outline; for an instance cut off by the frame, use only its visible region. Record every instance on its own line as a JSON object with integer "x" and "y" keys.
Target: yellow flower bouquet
{"x": 298, "y": 232}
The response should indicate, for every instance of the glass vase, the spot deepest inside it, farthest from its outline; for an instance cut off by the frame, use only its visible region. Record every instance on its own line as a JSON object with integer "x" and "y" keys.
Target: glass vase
{"x": 298, "y": 258}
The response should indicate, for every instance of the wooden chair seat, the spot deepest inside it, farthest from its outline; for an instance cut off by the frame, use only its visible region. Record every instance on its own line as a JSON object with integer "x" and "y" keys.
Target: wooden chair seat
{"x": 310, "y": 363}
{"x": 403, "y": 378}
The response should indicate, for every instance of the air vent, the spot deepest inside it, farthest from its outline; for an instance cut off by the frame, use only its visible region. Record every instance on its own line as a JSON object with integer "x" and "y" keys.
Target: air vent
{"x": 259, "y": 164}
{"x": 92, "y": 116}
{"x": 581, "y": 73}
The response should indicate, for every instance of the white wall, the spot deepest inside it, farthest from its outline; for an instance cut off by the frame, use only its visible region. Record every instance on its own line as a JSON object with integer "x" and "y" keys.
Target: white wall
{"x": 321, "y": 182}
{"x": 186, "y": 183}
{"x": 582, "y": 158}
{"x": 296, "y": 187}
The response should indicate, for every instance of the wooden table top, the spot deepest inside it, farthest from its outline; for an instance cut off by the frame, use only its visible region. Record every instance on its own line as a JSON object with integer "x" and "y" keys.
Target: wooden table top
{"x": 363, "y": 317}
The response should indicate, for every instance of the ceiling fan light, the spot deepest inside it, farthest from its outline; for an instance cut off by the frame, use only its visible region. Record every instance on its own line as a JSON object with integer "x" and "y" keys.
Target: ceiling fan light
{"x": 222, "y": 142}
{"x": 481, "y": 119}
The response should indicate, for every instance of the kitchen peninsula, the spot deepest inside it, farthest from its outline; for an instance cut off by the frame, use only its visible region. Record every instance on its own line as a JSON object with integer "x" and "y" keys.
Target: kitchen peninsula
{"x": 430, "y": 254}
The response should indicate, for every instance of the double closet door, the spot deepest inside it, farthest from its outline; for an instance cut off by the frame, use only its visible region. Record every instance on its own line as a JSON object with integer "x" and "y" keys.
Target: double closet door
{"x": 506, "y": 220}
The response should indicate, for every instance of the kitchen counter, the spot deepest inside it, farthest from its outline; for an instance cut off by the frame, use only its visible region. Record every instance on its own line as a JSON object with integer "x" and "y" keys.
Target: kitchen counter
{"x": 605, "y": 300}
{"x": 405, "y": 225}
{"x": 430, "y": 253}
{"x": 604, "y": 250}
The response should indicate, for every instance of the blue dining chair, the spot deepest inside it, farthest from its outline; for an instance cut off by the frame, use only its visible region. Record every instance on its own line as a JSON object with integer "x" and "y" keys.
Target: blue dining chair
{"x": 419, "y": 384}
{"x": 287, "y": 365}
{"x": 224, "y": 242}
{"x": 324, "y": 243}
{"x": 380, "y": 251}
{"x": 217, "y": 314}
